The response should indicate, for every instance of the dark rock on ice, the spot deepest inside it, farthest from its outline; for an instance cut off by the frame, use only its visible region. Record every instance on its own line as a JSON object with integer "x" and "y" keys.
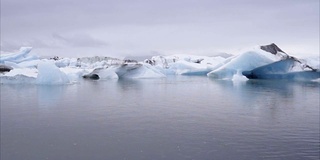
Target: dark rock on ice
{"x": 274, "y": 49}
{"x": 271, "y": 48}
{"x": 93, "y": 75}
{"x": 5, "y": 68}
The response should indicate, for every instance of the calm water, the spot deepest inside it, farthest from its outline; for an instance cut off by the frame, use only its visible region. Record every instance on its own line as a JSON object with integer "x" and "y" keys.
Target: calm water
{"x": 174, "y": 118}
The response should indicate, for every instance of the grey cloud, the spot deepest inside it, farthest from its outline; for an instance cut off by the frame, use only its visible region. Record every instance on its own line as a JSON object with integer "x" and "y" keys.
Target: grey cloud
{"x": 9, "y": 46}
{"x": 130, "y": 25}
{"x": 57, "y": 41}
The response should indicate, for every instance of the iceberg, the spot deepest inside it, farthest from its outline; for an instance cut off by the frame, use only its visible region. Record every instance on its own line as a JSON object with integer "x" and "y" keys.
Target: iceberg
{"x": 125, "y": 70}
{"x": 285, "y": 69}
{"x": 74, "y": 74}
{"x": 17, "y": 79}
{"x": 30, "y": 64}
{"x": 184, "y": 64}
{"x": 49, "y": 73}
{"x": 102, "y": 73}
{"x": 138, "y": 71}
{"x": 21, "y": 56}
{"x": 95, "y": 62}
{"x": 259, "y": 56}
{"x": 245, "y": 61}
{"x": 28, "y": 72}
{"x": 64, "y": 62}
{"x": 187, "y": 68}
{"x": 261, "y": 62}
{"x": 19, "y": 76}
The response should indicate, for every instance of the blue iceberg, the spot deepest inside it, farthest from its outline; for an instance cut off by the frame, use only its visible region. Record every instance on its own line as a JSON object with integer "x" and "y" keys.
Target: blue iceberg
{"x": 284, "y": 69}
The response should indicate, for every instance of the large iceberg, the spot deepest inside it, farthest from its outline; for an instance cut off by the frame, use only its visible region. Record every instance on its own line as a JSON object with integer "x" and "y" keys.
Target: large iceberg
{"x": 257, "y": 57}
{"x": 245, "y": 61}
{"x": 285, "y": 69}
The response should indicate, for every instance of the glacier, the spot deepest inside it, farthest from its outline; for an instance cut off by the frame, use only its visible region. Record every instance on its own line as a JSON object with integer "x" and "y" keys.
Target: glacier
{"x": 259, "y": 62}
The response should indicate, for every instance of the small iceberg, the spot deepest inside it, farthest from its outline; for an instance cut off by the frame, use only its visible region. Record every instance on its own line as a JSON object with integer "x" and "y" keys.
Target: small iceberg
{"x": 49, "y": 73}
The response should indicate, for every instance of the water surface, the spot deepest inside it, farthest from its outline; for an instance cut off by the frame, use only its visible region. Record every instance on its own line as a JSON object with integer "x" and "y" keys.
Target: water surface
{"x": 172, "y": 118}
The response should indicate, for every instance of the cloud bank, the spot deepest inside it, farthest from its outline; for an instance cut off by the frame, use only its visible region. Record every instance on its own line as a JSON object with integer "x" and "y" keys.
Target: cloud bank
{"x": 140, "y": 27}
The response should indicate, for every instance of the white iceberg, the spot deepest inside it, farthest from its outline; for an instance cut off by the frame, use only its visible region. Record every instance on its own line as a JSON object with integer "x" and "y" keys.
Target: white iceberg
{"x": 266, "y": 62}
{"x": 102, "y": 73}
{"x": 185, "y": 64}
{"x": 24, "y": 68}
{"x": 75, "y": 74}
{"x": 288, "y": 69}
{"x": 49, "y": 73}
{"x": 28, "y": 72}
{"x": 138, "y": 71}
{"x": 245, "y": 61}
{"x": 20, "y": 76}
{"x": 21, "y": 56}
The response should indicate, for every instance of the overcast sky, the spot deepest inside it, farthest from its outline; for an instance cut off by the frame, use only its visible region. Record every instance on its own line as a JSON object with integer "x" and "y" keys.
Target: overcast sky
{"x": 145, "y": 27}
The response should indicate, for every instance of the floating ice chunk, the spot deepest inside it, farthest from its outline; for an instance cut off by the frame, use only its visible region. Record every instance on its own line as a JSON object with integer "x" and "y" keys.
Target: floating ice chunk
{"x": 284, "y": 69}
{"x": 164, "y": 71}
{"x": 73, "y": 62}
{"x": 246, "y": 61}
{"x": 185, "y": 64}
{"x": 28, "y": 72}
{"x": 21, "y": 56}
{"x": 20, "y": 76}
{"x": 74, "y": 74}
{"x": 49, "y": 73}
{"x": 64, "y": 62}
{"x": 108, "y": 73}
{"x": 313, "y": 61}
{"x": 102, "y": 73}
{"x": 138, "y": 71}
{"x": 239, "y": 77}
{"x": 12, "y": 64}
{"x": 30, "y": 64}
{"x": 17, "y": 79}
{"x": 188, "y": 68}
{"x": 144, "y": 71}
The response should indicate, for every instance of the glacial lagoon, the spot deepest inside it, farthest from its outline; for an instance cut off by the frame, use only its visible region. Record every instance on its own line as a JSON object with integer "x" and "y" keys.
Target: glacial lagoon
{"x": 179, "y": 117}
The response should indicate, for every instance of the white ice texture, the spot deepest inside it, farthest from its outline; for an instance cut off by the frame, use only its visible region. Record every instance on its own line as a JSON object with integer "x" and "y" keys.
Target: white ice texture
{"x": 49, "y": 73}
{"x": 245, "y": 61}
{"x": 30, "y": 69}
{"x": 22, "y": 55}
{"x": 287, "y": 69}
